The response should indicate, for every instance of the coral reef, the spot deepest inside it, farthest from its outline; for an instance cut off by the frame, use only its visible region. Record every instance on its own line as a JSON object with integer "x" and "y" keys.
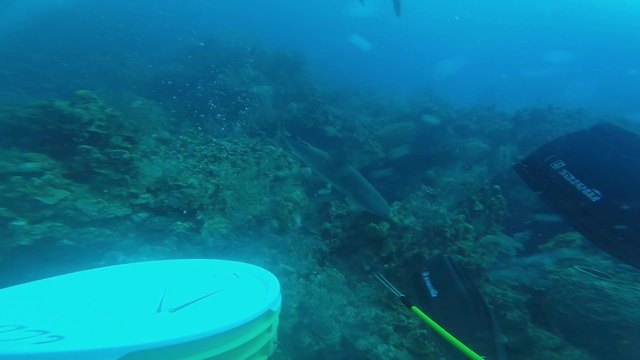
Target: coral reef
{"x": 191, "y": 165}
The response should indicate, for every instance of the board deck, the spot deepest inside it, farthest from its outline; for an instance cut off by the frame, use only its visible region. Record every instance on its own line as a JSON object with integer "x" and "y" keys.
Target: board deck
{"x": 108, "y": 312}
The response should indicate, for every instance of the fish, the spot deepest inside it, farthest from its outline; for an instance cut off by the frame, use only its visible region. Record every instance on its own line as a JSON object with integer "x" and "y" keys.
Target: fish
{"x": 397, "y": 6}
{"x": 339, "y": 174}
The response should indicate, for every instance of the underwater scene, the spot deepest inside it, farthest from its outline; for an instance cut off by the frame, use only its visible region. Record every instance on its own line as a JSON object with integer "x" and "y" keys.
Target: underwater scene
{"x": 426, "y": 180}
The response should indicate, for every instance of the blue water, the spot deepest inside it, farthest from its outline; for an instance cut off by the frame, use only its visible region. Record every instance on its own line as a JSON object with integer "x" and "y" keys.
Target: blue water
{"x": 568, "y": 53}
{"x": 155, "y": 129}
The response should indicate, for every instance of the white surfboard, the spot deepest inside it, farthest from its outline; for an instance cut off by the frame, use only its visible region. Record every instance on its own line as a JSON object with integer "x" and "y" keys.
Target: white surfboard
{"x": 171, "y": 309}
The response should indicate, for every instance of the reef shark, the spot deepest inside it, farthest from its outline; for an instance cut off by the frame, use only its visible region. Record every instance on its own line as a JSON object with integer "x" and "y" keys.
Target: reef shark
{"x": 397, "y": 6}
{"x": 339, "y": 174}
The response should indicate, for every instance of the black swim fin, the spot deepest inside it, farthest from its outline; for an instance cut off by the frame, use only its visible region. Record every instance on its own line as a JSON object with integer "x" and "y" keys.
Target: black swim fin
{"x": 449, "y": 296}
{"x": 592, "y": 179}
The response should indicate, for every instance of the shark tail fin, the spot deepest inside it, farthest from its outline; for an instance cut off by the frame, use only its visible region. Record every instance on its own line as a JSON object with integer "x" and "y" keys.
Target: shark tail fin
{"x": 397, "y": 7}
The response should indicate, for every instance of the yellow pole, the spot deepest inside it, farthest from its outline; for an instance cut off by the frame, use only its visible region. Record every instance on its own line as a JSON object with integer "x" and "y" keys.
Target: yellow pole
{"x": 446, "y": 335}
